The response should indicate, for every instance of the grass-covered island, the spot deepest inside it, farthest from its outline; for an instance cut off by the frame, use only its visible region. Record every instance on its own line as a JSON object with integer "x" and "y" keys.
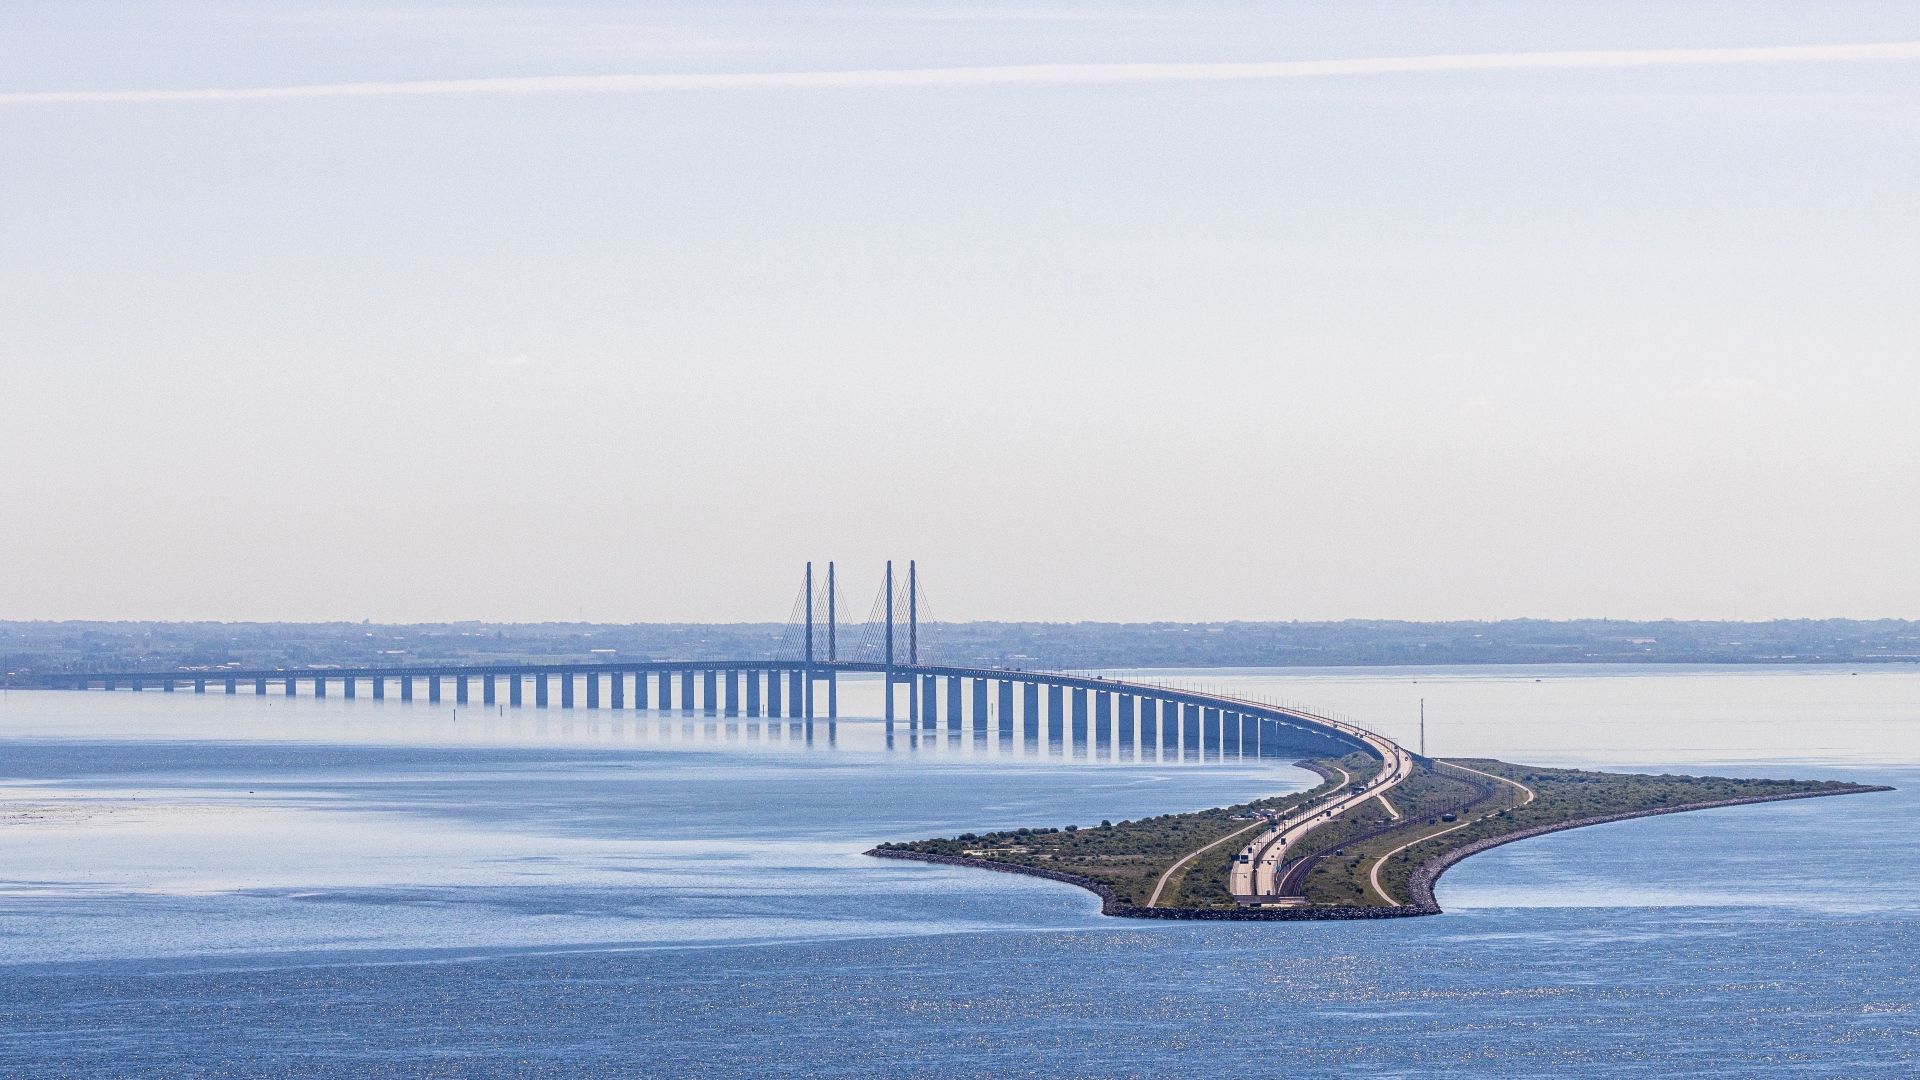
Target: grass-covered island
{"x": 1379, "y": 859}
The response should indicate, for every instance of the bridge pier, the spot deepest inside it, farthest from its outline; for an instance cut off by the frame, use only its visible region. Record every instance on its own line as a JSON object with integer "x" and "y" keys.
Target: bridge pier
{"x": 1103, "y": 724}
{"x": 618, "y": 690}
{"x": 980, "y": 708}
{"x": 233, "y": 686}
{"x": 487, "y": 690}
{"x": 540, "y": 690}
{"x": 833, "y": 695}
{"x": 929, "y": 702}
{"x": 955, "y": 694}
{"x": 796, "y": 692}
{"x": 319, "y": 686}
{"x": 566, "y": 689}
{"x": 516, "y": 689}
{"x": 406, "y": 688}
{"x": 347, "y": 689}
{"x": 290, "y": 687}
{"x": 1210, "y": 722}
{"x": 433, "y": 689}
{"x": 199, "y": 686}
{"x": 1124, "y": 725}
{"x": 167, "y": 685}
{"x": 1189, "y": 731}
{"x": 733, "y": 692}
{"x": 1056, "y": 714}
{"x": 710, "y": 681}
{"x": 755, "y": 679}
{"x": 687, "y": 703}
{"x": 640, "y": 690}
{"x": 1030, "y": 713}
{"x": 259, "y": 687}
{"x": 460, "y": 690}
{"x": 1079, "y": 721}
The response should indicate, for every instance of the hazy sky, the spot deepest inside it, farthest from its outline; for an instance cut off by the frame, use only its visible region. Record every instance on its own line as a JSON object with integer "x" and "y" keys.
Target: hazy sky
{"x": 1568, "y": 340}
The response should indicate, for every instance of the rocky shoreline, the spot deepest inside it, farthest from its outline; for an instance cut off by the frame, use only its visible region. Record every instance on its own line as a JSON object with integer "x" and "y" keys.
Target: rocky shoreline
{"x": 1419, "y": 884}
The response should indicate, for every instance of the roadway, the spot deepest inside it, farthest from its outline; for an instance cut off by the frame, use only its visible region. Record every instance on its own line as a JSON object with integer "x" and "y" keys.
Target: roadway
{"x": 1373, "y": 876}
{"x": 1256, "y": 873}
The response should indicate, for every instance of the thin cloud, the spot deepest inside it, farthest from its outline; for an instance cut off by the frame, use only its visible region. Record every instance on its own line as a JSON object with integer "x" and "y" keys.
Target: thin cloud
{"x": 1014, "y": 75}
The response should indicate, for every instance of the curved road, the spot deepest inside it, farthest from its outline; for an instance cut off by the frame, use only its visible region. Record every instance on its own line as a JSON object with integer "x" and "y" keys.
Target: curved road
{"x": 1256, "y": 873}
{"x": 1373, "y": 876}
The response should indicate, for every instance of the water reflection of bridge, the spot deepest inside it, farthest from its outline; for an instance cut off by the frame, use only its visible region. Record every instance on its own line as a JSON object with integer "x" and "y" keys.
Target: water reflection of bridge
{"x": 1084, "y": 711}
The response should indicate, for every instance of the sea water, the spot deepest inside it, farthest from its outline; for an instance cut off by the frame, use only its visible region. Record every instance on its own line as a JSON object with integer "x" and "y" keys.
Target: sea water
{"x": 262, "y": 886}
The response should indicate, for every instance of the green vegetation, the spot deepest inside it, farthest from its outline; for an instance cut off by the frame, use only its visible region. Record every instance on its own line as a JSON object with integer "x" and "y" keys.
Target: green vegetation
{"x": 1130, "y": 856}
{"x": 1440, "y": 808}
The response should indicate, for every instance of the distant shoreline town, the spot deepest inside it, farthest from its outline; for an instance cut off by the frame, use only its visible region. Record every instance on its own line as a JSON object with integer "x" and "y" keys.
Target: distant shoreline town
{"x": 76, "y": 646}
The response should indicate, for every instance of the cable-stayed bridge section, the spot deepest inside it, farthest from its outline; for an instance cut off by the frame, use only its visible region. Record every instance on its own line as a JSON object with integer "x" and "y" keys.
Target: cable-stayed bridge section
{"x": 1087, "y": 713}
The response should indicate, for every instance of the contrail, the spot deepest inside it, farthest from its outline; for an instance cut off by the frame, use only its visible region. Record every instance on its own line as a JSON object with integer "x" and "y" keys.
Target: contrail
{"x": 1014, "y": 75}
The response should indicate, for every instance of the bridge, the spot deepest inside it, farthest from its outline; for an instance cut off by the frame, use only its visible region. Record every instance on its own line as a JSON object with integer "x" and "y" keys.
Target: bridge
{"x": 1107, "y": 715}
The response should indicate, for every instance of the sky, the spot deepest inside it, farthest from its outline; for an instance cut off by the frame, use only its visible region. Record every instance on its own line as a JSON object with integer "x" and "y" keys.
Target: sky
{"x": 1098, "y": 310}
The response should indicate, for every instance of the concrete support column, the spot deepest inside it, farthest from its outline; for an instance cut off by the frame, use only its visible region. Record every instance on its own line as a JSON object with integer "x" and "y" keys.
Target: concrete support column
{"x": 138, "y": 685}
{"x": 487, "y": 691}
{"x": 167, "y": 685}
{"x": 929, "y": 701}
{"x": 639, "y": 689}
{"x": 755, "y": 679}
{"x": 1030, "y": 711}
{"x": 666, "y": 691}
{"x": 833, "y": 694}
{"x": 796, "y": 692}
{"x": 774, "y": 692}
{"x": 1125, "y": 722}
{"x": 687, "y": 702}
{"x": 319, "y": 686}
{"x": 980, "y": 706}
{"x": 1056, "y": 713}
{"x": 233, "y": 686}
{"x": 516, "y": 689}
{"x": 460, "y": 690}
{"x": 433, "y": 689}
{"x": 953, "y": 702}
{"x": 1170, "y": 728}
{"x": 292, "y": 686}
{"x": 347, "y": 687}
{"x": 619, "y": 688}
{"x": 733, "y": 692}
{"x": 540, "y": 690}
{"x": 593, "y": 689}
{"x": 406, "y": 688}
{"x": 199, "y": 686}
{"x": 1006, "y": 709}
{"x": 565, "y": 679}
{"x": 710, "y": 684}
{"x": 1102, "y": 722}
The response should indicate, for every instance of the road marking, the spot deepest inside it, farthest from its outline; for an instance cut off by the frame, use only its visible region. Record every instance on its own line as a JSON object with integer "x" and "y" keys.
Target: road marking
{"x": 1154, "y": 900}
{"x": 1373, "y": 877}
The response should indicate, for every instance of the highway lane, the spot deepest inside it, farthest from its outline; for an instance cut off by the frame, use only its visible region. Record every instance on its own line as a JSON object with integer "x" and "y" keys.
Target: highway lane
{"x": 1256, "y": 872}
{"x": 1373, "y": 875}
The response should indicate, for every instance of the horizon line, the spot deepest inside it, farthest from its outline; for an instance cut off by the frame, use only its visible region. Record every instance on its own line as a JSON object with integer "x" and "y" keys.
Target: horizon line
{"x": 1005, "y": 75}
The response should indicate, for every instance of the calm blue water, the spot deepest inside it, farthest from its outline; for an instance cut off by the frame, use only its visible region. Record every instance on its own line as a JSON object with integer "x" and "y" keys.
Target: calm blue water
{"x": 262, "y": 887}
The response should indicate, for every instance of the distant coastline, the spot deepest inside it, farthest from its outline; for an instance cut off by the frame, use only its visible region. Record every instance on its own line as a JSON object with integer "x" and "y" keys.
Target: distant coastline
{"x": 78, "y": 646}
